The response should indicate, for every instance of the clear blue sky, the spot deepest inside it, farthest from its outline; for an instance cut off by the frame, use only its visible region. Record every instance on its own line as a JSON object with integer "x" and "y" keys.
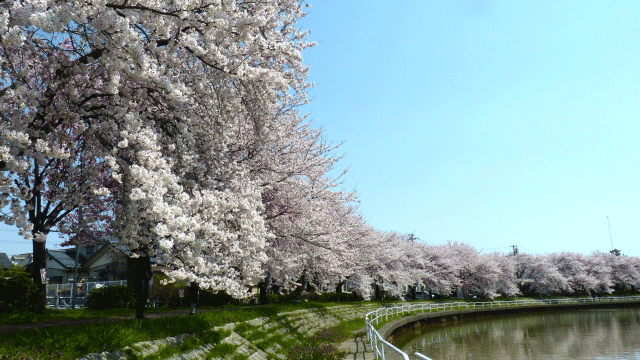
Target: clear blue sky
{"x": 492, "y": 123}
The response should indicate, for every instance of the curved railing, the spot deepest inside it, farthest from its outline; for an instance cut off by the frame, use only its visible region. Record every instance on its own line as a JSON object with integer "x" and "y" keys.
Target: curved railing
{"x": 379, "y": 345}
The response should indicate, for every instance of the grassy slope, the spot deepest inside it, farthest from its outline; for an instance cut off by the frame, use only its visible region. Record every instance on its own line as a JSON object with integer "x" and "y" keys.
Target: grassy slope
{"x": 73, "y": 341}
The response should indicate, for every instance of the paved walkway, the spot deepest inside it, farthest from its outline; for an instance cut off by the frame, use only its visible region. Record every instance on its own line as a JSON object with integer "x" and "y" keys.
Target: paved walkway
{"x": 357, "y": 348}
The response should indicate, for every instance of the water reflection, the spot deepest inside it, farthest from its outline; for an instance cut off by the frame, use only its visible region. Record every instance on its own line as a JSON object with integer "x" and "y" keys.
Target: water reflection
{"x": 586, "y": 334}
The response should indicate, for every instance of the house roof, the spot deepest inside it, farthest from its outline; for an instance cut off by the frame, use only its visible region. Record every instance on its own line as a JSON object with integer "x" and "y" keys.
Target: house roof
{"x": 5, "y": 262}
{"x": 66, "y": 257}
{"x": 104, "y": 250}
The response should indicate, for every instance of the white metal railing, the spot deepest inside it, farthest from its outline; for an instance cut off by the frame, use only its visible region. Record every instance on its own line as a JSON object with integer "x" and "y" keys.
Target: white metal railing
{"x": 379, "y": 345}
{"x": 420, "y": 356}
{"x": 60, "y": 295}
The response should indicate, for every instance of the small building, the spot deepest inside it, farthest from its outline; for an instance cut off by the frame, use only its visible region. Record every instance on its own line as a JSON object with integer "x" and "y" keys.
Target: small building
{"x": 5, "y": 262}
{"x": 21, "y": 260}
{"x": 101, "y": 262}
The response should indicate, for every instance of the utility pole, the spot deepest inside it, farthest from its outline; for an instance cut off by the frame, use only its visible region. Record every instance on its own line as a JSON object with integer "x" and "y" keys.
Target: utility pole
{"x": 515, "y": 249}
{"x": 74, "y": 288}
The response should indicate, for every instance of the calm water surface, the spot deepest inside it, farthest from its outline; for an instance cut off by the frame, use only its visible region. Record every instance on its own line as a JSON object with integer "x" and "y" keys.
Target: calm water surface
{"x": 585, "y": 334}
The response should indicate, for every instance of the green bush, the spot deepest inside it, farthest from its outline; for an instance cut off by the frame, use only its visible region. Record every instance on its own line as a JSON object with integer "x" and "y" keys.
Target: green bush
{"x": 111, "y": 297}
{"x": 281, "y": 298}
{"x": 18, "y": 292}
{"x": 168, "y": 295}
{"x": 214, "y": 299}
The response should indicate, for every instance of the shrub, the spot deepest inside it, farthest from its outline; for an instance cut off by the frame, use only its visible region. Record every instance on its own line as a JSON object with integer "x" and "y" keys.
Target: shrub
{"x": 281, "y": 298}
{"x": 214, "y": 299}
{"x": 18, "y": 293}
{"x": 111, "y": 297}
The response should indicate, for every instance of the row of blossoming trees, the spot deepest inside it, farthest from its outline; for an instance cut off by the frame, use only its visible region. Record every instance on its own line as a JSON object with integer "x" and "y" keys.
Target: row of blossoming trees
{"x": 173, "y": 126}
{"x": 402, "y": 268}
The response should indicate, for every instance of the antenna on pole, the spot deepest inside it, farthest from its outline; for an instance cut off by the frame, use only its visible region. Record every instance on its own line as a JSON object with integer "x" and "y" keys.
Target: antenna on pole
{"x": 610, "y": 238}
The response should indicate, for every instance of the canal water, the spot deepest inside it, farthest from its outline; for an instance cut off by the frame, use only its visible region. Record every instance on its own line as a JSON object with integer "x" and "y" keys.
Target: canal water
{"x": 601, "y": 334}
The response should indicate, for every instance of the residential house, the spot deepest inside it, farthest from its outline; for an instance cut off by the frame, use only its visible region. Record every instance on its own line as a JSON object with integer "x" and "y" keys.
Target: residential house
{"x": 100, "y": 262}
{"x": 21, "y": 260}
{"x": 5, "y": 263}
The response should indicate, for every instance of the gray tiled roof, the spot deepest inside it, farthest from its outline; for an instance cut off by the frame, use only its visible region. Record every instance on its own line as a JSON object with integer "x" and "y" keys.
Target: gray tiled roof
{"x": 66, "y": 257}
{"x": 5, "y": 262}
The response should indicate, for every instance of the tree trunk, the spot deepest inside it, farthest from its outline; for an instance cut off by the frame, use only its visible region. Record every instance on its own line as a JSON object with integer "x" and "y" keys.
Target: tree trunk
{"x": 377, "y": 292}
{"x": 39, "y": 262}
{"x": 264, "y": 289}
{"x": 141, "y": 274}
{"x": 194, "y": 297}
{"x": 303, "y": 284}
{"x": 339, "y": 287}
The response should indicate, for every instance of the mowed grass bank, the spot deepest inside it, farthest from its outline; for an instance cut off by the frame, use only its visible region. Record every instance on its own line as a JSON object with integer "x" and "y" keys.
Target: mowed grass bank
{"x": 74, "y": 341}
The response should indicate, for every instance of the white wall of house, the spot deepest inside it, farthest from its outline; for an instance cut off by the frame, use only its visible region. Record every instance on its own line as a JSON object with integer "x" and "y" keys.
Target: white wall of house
{"x": 103, "y": 261}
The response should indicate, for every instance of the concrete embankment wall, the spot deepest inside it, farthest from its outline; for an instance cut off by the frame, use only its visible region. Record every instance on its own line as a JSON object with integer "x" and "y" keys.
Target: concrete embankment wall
{"x": 410, "y": 323}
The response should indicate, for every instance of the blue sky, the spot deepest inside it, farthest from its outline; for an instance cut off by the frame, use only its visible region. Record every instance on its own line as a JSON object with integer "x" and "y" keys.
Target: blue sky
{"x": 492, "y": 123}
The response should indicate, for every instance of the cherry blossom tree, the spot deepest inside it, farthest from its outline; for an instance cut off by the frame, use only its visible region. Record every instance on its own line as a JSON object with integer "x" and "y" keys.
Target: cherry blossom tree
{"x": 52, "y": 175}
{"x": 386, "y": 261}
{"x": 598, "y": 270}
{"x": 156, "y": 93}
{"x": 506, "y": 284}
{"x": 537, "y": 274}
{"x": 625, "y": 270}
{"x": 475, "y": 272}
{"x": 572, "y": 268}
{"x": 315, "y": 225}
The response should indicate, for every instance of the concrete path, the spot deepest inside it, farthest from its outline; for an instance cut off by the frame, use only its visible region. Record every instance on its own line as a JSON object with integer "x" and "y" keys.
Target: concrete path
{"x": 357, "y": 348}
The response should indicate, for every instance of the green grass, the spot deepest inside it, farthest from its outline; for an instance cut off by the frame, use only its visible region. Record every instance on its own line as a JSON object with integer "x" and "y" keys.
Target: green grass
{"x": 189, "y": 344}
{"x": 52, "y": 315}
{"x": 221, "y": 351}
{"x": 73, "y": 341}
{"x": 322, "y": 345}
